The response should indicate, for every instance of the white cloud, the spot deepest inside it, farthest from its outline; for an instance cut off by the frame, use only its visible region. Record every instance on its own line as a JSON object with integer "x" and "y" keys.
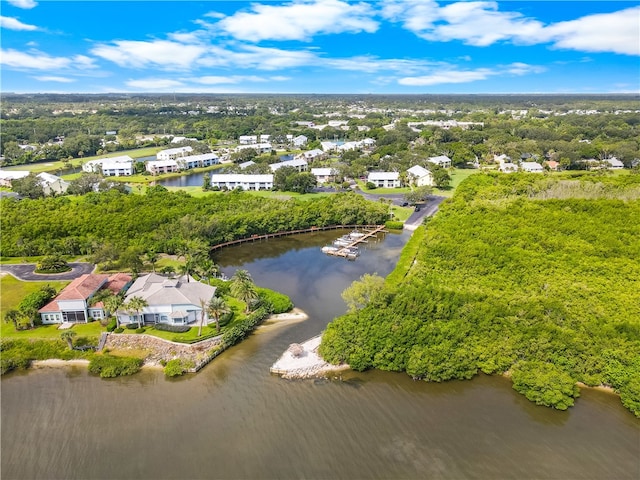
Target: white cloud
{"x": 11, "y": 23}
{"x": 447, "y": 77}
{"x": 249, "y": 56}
{"x": 153, "y": 84}
{"x": 51, "y": 78}
{"x": 452, "y": 75}
{"x": 299, "y": 20}
{"x": 33, "y": 60}
{"x": 617, "y": 32}
{"x": 156, "y": 53}
{"x": 372, "y": 64}
{"x": 28, "y": 4}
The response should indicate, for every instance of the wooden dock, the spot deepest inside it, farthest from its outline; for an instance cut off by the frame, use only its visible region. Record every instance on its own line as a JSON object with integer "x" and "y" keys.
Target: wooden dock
{"x": 346, "y": 251}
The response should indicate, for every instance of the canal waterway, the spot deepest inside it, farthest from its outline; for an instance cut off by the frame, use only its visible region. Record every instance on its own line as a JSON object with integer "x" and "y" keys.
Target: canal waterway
{"x": 234, "y": 420}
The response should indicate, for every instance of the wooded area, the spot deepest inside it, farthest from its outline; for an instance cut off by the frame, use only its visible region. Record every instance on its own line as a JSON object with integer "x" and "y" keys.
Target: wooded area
{"x": 547, "y": 291}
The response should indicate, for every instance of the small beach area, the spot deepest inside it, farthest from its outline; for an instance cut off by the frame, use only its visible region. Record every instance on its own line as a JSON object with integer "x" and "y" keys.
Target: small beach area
{"x": 301, "y": 360}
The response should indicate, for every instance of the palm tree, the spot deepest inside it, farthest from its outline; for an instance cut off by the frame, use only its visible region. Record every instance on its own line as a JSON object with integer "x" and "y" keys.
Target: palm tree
{"x": 112, "y": 304}
{"x": 203, "y": 312}
{"x": 207, "y": 269}
{"x": 216, "y": 308}
{"x": 68, "y": 337}
{"x": 137, "y": 304}
{"x": 152, "y": 258}
{"x": 243, "y": 288}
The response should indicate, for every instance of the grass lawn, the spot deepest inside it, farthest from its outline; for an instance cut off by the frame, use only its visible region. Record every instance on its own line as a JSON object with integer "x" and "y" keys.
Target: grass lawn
{"x": 457, "y": 176}
{"x": 401, "y": 213}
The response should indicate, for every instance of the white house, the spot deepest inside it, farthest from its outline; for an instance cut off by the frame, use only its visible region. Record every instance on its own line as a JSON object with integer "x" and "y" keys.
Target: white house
{"x": 384, "y": 179}
{"x": 299, "y": 164}
{"x": 531, "y": 167}
{"x": 157, "y": 167}
{"x": 300, "y": 141}
{"x": 324, "y": 175}
{"x": 244, "y": 165}
{"x": 420, "y": 176}
{"x": 328, "y": 146}
{"x": 111, "y": 167}
{"x": 173, "y": 301}
{"x": 442, "y": 160}
{"x": 258, "y": 147}
{"x": 174, "y": 153}
{"x": 311, "y": 155}
{"x": 197, "y": 161}
{"x": 74, "y": 303}
{"x": 614, "y": 163}
{"x": 247, "y": 139}
{"x": 508, "y": 167}
{"x": 232, "y": 181}
{"x": 52, "y": 184}
{"x": 117, "y": 166}
{"x": 7, "y": 176}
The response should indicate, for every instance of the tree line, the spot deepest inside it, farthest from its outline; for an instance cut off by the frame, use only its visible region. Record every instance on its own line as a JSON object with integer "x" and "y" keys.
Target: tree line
{"x": 544, "y": 290}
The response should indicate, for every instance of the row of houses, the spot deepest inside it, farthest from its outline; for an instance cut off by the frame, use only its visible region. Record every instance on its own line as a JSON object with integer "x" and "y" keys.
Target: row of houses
{"x": 169, "y": 301}
{"x": 51, "y": 184}
{"x": 256, "y": 182}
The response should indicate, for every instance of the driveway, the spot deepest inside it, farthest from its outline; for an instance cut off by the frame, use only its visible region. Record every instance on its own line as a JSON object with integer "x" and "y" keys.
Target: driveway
{"x": 25, "y": 271}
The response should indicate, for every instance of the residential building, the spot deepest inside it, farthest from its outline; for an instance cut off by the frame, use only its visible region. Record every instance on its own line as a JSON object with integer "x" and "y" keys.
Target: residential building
{"x": 531, "y": 167}
{"x": 420, "y": 176}
{"x": 258, "y": 147}
{"x": 232, "y": 181}
{"x": 299, "y": 164}
{"x": 384, "y": 179}
{"x": 173, "y": 301}
{"x": 52, "y": 184}
{"x": 7, "y": 176}
{"x": 508, "y": 167}
{"x": 111, "y": 167}
{"x": 299, "y": 141}
{"x": 247, "y": 139}
{"x": 198, "y": 161}
{"x": 244, "y": 165}
{"x": 157, "y": 167}
{"x": 311, "y": 155}
{"x": 614, "y": 163}
{"x": 74, "y": 303}
{"x": 324, "y": 175}
{"x": 441, "y": 160}
{"x": 174, "y": 153}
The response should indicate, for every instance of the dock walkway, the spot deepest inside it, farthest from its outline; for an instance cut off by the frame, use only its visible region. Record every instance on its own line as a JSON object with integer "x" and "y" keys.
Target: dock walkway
{"x": 346, "y": 250}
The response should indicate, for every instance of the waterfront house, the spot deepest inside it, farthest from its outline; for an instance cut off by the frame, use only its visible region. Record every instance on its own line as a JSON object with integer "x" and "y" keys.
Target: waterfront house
{"x": 119, "y": 166}
{"x": 74, "y": 303}
{"x": 169, "y": 300}
{"x": 198, "y": 161}
{"x": 157, "y": 167}
{"x": 441, "y": 160}
{"x": 311, "y": 155}
{"x": 384, "y": 179}
{"x": 420, "y": 176}
{"x": 7, "y": 176}
{"x": 232, "y": 181}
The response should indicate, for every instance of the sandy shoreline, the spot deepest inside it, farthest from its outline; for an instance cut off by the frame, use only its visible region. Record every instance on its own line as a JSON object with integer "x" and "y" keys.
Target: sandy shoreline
{"x": 303, "y": 361}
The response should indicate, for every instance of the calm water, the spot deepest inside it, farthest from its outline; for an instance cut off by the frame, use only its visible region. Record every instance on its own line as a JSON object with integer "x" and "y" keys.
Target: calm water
{"x": 234, "y": 420}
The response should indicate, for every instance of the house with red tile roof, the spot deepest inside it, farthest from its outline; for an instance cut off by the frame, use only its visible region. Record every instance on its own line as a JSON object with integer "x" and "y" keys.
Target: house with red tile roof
{"x": 74, "y": 304}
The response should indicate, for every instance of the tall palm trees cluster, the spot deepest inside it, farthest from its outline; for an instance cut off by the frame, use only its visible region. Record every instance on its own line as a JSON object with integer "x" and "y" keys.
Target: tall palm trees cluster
{"x": 243, "y": 288}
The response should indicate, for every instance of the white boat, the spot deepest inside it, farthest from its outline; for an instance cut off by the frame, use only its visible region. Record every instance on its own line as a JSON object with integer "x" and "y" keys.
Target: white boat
{"x": 357, "y": 234}
{"x": 343, "y": 241}
{"x": 330, "y": 249}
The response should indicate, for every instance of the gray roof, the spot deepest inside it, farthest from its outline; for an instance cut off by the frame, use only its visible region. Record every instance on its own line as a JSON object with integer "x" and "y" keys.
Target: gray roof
{"x": 158, "y": 290}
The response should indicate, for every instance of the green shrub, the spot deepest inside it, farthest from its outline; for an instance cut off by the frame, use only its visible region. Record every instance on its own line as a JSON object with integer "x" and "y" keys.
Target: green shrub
{"x": 177, "y": 367}
{"x": 108, "y": 366}
{"x": 394, "y": 225}
{"x": 222, "y": 286}
{"x": 52, "y": 264}
{"x": 118, "y": 330}
{"x": 165, "y": 327}
{"x": 140, "y": 330}
{"x": 131, "y": 326}
{"x": 277, "y": 302}
{"x": 545, "y": 384}
{"x": 112, "y": 325}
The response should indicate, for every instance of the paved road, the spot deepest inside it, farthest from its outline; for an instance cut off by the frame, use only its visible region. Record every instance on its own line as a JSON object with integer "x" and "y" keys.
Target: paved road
{"x": 25, "y": 271}
{"x": 429, "y": 208}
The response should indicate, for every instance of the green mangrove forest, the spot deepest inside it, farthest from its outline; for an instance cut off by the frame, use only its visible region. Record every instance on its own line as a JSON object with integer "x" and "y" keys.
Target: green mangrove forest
{"x": 534, "y": 277}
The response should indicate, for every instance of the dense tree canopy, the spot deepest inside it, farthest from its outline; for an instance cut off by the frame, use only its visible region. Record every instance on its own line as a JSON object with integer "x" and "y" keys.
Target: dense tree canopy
{"x": 514, "y": 274}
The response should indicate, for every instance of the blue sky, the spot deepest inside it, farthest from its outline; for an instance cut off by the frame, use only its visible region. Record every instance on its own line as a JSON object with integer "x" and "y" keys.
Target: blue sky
{"x": 320, "y": 46}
